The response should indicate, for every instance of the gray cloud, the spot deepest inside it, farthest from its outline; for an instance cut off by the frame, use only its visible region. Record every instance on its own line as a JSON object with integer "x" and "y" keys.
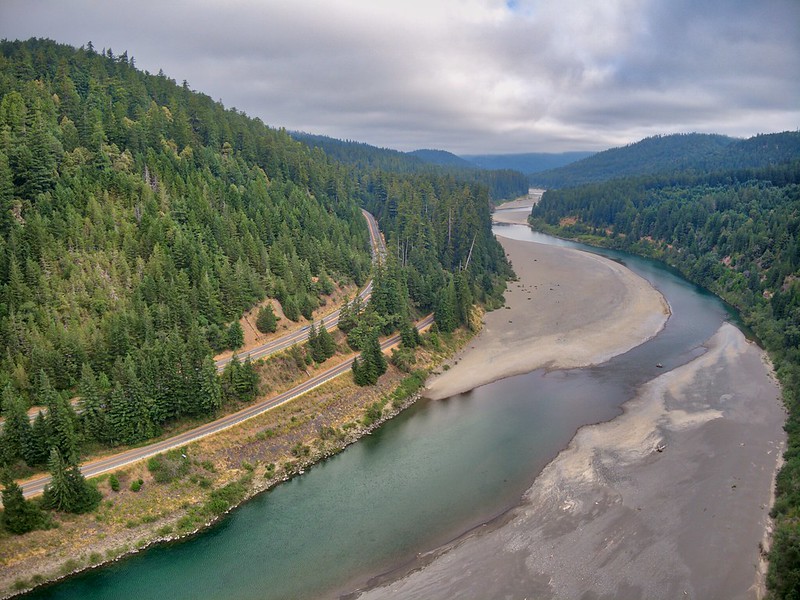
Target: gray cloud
{"x": 464, "y": 75}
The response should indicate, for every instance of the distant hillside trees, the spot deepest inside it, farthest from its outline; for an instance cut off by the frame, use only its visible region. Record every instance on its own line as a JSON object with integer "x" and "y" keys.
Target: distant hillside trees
{"x": 737, "y": 233}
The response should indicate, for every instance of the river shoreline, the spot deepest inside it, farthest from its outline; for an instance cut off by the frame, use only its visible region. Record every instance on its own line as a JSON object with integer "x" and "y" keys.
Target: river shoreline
{"x": 86, "y": 542}
{"x": 670, "y": 499}
{"x": 567, "y": 309}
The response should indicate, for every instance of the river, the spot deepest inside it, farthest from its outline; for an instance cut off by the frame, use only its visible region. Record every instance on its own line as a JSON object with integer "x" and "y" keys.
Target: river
{"x": 426, "y": 477}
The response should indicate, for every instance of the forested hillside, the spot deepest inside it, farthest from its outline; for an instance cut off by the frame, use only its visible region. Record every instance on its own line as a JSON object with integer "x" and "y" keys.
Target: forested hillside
{"x": 439, "y": 231}
{"x": 140, "y": 219}
{"x": 736, "y": 233}
{"x": 443, "y": 158}
{"x": 675, "y": 154}
{"x": 502, "y": 184}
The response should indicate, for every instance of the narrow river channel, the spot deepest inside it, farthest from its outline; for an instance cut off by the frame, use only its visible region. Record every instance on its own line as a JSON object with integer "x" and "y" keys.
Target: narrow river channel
{"x": 426, "y": 477}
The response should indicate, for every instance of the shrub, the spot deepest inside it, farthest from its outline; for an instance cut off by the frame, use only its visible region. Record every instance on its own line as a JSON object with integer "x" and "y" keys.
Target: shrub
{"x": 169, "y": 466}
{"x": 373, "y": 413}
{"x": 114, "y": 483}
{"x": 136, "y": 485}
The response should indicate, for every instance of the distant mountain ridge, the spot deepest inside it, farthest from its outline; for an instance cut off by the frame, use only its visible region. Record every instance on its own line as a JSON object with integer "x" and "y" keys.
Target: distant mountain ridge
{"x": 529, "y": 162}
{"x": 694, "y": 152}
{"x": 502, "y": 184}
{"x": 446, "y": 159}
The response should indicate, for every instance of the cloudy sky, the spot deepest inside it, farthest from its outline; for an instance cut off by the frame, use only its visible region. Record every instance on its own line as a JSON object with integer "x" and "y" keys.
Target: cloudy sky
{"x": 469, "y": 76}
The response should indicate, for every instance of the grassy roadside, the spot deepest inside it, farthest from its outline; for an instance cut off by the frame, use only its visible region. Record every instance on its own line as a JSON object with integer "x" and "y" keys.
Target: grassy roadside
{"x": 183, "y": 491}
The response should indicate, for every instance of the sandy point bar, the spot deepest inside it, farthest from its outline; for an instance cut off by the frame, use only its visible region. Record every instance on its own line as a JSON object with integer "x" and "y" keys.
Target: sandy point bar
{"x": 567, "y": 309}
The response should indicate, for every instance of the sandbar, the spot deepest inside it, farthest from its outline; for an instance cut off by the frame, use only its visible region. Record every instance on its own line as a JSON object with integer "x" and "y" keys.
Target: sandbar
{"x": 567, "y": 309}
{"x": 669, "y": 500}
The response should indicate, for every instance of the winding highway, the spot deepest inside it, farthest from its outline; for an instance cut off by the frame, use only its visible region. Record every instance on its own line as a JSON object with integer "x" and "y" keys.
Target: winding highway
{"x": 329, "y": 321}
{"x": 96, "y": 467}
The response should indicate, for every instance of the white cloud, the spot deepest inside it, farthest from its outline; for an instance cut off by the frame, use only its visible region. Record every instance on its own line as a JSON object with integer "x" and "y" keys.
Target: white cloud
{"x": 464, "y": 75}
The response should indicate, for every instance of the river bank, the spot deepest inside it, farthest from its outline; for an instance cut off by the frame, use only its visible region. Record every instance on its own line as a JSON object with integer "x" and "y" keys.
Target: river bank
{"x": 250, "y": 458}
{"x": 567, "y": 309}
{"x": 671, "y": 499}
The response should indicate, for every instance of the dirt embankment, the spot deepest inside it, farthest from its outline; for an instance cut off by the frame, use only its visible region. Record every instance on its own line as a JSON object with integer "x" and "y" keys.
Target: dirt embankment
{"x": 257, "y": 454}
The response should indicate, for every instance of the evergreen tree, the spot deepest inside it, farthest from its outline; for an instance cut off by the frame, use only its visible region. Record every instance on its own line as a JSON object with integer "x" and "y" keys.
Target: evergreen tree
{"x": 321, "y": 344}
{"x": 59, "y": 494}
{"x": 92, "y": 401}
{"x": 266, "y": 322}
{"x": 409, "y": 336}
{"x": 360, "y": 375}
{"x": 17, "y": 427}
{"x": 240, "y": 380}
{"x": 234, "y": 337}
{"x": 19, "y": 515}
{"x": 372, "y": 363}
{"x": 61, "y": 419}
{"x": 349, "y": 314}
{"x": 312, "y": 345}
{"x": 68, "y": 490}
{"x": 38, "y": 447}
{"x": 209, "y": 387}
{"x": 326, "y": 343}
{"x": 445, "y": 313}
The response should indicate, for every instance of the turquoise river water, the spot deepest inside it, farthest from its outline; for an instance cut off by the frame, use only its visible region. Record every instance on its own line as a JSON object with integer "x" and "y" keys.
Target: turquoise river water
{"x": 426, "y": 477}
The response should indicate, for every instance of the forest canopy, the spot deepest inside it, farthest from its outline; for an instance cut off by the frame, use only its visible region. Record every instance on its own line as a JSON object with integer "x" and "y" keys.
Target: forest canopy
{"x": 735, "y": 231}
{"x": 140, "y": 219}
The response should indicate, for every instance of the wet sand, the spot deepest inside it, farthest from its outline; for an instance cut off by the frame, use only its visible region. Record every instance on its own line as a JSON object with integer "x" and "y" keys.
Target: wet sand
{"x": 669, "y": 500}
{"x": 513, "y": 215}
{"x": 568, "y": 309}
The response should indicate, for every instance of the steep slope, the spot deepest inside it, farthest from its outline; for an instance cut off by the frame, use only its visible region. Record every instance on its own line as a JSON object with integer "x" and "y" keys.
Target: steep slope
{"x": 139, "y": 219}
{"x": 676, "y": 154}
{"x": 442, "y": 158}
{"x": 651, "y": 155}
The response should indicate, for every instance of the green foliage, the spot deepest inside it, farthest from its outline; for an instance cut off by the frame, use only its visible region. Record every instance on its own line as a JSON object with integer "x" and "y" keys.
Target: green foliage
{"x": 373, "y": 413}
{"x": 137, "y": 484}
{"x": 435, "y": 228}
{"x": 349, "y": 314}
{"x": 737, "y": 233}
{"x": 501, "y": 183}
{"x": 240, "y": 380}
{"x": 170, "y": 466}
{"x": 403, "y": 359}
{"x": 20, "y": 515}
{"x": 17, "y": 428}
{"x": 113, "y": 482}
{"x": 321, "y": 344}
{"x": 222, "y": 499}
{"x": 234, "y": 336}
{"x": 137, "y": 220}
{"x": 371, "y": 364}
{"x": 266, "y": 321}
{"x": 783, "y": 575}
{"x": 674, "y": 154}
{"x": 68, "y": 491}
{"x": 409, "y": 336}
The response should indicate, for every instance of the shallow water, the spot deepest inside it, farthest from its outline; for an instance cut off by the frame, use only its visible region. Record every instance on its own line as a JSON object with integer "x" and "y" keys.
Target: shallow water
{"x": 423, "y": 479}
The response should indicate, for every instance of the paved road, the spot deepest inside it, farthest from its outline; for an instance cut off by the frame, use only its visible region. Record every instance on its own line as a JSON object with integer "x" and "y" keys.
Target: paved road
{"x": 330, "y": 321}
{"x": 36, "y": 486}
{"x": 298, "y": 336}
